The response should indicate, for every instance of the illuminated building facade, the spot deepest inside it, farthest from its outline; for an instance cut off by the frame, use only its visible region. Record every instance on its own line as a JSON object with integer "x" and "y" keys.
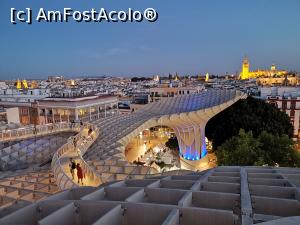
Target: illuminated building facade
{"x": 22, "y": 84}
{"x": 278, "y": 81}
{"x": 247, "y": 74}
{"x": 287, "y": 99}
{"x": 55, "y": 110}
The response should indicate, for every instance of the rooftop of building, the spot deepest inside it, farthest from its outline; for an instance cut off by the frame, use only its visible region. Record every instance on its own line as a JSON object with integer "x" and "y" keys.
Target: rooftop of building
{"x": 76, "y": 98}
{"x": 219, "y": 196}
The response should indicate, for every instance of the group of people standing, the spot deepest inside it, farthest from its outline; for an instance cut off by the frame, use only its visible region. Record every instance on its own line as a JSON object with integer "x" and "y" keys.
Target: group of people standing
{"x": 80, "y": 174}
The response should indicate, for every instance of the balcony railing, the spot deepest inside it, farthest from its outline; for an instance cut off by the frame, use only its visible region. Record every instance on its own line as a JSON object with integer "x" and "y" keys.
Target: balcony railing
{"x": 31, "y": 131}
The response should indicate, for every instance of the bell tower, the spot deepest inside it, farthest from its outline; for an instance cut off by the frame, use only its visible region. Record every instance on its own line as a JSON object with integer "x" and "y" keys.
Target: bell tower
{"x": 245, "y": 69}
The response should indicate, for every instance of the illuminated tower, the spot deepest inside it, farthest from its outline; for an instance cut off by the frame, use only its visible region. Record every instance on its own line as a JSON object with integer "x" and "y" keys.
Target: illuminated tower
{"x": 19, "y": 85}
{"x": 245, "y": 69}
{"x": 24, "y": 84}
{"x": 177, "y": 78}
{"x": 207, "y": 77}
{"x": 273, "y": 67}
{"x": 273, "y": 70}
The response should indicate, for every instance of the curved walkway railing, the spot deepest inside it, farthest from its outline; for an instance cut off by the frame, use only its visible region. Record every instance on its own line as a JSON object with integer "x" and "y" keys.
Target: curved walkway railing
{"x": 60, "y": 160}
{"x": 62, "y": 179}
{"x": 39, "y": 130}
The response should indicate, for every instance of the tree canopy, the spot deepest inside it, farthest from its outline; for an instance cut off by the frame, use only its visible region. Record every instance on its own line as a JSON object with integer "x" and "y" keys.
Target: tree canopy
{"x": 172, "y": 143}
{"x": 278, "y": 149}
{"x": 239, "y": 150}
{"x": 251, "y": 115}
{"x": 267, "y": 149}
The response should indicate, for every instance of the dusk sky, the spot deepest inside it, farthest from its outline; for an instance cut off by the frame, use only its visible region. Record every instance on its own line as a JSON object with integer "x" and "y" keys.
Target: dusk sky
{"x": 189, "y": 37}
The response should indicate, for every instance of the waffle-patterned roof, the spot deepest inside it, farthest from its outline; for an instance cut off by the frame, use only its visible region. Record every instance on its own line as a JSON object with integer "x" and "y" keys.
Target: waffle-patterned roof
{"x": 220, "y": 196}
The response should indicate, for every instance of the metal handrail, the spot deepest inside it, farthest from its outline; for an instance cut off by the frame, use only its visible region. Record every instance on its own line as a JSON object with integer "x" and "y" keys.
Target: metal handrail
{"x": 85, "y": 165}
{"x": 31, "y": 131}
{"x": 57, "y": 167}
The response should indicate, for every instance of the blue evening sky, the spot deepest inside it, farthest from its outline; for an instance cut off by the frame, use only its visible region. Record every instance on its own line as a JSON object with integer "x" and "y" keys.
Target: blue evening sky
{"x": 190, "y": 37}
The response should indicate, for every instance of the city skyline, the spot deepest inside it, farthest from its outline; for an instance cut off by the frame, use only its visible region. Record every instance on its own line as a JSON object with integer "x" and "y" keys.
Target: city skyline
{"x": 211, "y": 36}
{"x": 149, "y": 112}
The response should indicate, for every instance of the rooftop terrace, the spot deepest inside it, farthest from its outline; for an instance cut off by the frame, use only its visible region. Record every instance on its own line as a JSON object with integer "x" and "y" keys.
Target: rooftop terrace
{"x": 220, "y": 196}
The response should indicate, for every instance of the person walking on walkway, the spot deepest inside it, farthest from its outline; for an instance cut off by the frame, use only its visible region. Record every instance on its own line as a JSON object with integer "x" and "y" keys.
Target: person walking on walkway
{"x": 74, "y": 142}
{"x": 80, "y": 174}
{"x": 72, "y": 167}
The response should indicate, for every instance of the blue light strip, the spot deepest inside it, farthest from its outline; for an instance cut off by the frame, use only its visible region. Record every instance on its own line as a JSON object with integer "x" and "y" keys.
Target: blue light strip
{"x": 194, "y": 155}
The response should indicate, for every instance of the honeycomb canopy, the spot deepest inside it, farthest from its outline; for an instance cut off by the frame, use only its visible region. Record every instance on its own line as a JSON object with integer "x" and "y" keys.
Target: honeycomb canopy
{"x": 219, "y": 196}
{"x": 191, "y": 102}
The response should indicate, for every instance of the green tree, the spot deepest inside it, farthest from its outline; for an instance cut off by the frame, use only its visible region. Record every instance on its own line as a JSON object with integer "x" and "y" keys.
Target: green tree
{"x": 278, "y": 150}
{"x": 251, "y": 115}
{"x": 242, "y": 150}
{"x": 267, "y": 149}
{"x": 172, "y": 143}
